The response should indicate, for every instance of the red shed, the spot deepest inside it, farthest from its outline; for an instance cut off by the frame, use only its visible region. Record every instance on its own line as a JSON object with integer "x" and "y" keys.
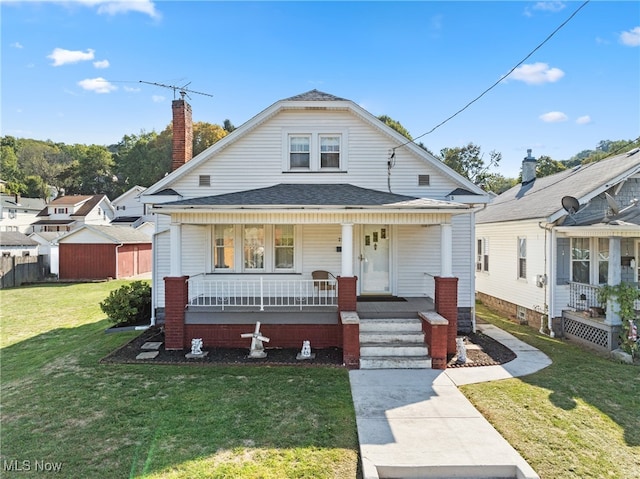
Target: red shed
{"x": 100, "y": 252}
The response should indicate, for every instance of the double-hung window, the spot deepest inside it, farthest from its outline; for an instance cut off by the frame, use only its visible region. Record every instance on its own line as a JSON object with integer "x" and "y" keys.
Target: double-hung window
{"x": 254, "y": 247}
{"x": 603, "y": 260}
{"x": 299, "y": 151}
{"x": 522, "y": 258}
{"x": 329, "y": 151}
{"x": 224, "y": 251}
{"x": 580, "y": 260}
{"x": 283, "y": 246}
{"x": 482, "y": 255}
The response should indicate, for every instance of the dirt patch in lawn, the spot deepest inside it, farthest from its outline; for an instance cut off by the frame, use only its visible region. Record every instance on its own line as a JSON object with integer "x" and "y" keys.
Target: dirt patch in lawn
{"x": 481, "y": 349}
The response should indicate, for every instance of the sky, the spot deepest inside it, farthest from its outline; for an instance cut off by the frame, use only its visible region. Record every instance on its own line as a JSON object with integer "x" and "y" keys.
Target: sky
{"x": 555, "y": 77}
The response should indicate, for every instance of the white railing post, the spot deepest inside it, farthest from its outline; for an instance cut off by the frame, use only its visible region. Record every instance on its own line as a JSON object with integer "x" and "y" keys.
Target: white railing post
{"x": 261, "y": 295}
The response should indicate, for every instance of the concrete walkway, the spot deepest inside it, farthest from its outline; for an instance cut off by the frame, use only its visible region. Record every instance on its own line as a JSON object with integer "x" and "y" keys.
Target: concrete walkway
{"x": 417, "y": 424}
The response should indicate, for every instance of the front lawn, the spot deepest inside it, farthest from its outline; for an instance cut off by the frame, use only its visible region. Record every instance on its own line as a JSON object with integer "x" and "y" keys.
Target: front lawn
{"x": 61, "y": 406}
{"x": 578, "y": 418}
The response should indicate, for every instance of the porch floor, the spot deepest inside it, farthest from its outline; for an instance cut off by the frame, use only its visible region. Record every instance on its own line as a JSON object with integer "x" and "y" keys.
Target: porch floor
{"x": 394, "y": 309}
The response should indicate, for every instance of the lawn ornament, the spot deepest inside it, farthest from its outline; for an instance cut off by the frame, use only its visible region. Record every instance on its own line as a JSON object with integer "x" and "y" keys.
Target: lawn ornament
{"x": 257, "y": 348}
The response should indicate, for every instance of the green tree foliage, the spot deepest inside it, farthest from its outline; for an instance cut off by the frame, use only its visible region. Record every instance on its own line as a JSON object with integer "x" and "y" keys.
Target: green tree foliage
{"x": 9, "y": 164}
{"x": 498, "y": 184}
{"x": 35, "y": 187}
{"x": 142, "y": 159}
{"x": 205, "y": 135}
{"x": 469, "y": 162}
{"x": 546, "y": 166}
{"x": 390, "y": 122}
{"x": 129, "y": 304}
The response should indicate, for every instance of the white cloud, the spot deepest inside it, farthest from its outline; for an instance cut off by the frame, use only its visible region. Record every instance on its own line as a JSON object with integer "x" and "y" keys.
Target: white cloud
{"x": 583, "y": 120}
{"x": 97, "y": 85}
{"x": 536, "y": 74}
{"x": 115, "y": 7}
{"x": 101, "y": 64}
{"x": 549, "y": 6}
{"x": 16, "y": 45}
{"x": 157, "y": 98}
{"x": 631, "y": 38}
{"x": 60, "y": 56}
{"x": 553, "y": 117}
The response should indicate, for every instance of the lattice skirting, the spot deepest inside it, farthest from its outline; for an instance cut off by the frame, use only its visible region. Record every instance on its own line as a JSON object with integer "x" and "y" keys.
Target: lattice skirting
{"x": 598, "y": 335}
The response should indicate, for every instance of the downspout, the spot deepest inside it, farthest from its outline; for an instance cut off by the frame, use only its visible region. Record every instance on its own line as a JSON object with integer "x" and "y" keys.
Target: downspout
{"x": 548, "y": 299}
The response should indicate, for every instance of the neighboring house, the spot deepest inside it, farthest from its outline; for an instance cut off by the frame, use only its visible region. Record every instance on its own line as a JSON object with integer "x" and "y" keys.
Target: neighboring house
{"x": 129, "y": 211}
{"x": 67, "y": 213}
{"x": 313, "y": 182}
{"x": 545, "y": 246}
{"x": 17, "y": 213}
{"x": 15, "y": 243}
{"x": 100, "y": 252}
{"x": 48, "y": 241}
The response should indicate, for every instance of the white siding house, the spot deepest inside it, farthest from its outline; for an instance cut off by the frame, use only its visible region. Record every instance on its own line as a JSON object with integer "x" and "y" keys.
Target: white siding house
{"x": 544, "y": 247}
{"x": 315, "y": 182}
{"x": 67, "y": 213}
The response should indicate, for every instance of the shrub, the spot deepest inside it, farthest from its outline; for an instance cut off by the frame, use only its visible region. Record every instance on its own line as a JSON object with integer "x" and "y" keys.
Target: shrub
{"x": 129, "y": 304}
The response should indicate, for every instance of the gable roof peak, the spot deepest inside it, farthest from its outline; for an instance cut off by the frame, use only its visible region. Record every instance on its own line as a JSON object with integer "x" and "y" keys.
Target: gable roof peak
{"x": 315, "y": 95}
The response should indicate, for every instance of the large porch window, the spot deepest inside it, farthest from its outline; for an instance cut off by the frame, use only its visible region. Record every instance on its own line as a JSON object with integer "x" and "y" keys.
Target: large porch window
{"x": 262, "y": 248}
{"x": 603, "y": 260}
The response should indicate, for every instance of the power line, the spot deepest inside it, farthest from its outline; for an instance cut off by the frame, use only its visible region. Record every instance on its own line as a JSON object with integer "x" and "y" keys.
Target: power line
{"x": 499, "y": 80}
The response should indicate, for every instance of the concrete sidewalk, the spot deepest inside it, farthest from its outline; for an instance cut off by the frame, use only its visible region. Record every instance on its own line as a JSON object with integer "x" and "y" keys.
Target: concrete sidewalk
{"x": 417, "y": 424}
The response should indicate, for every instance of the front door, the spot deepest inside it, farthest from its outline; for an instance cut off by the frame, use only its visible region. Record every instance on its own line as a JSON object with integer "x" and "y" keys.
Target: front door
{"x": 374, "y": 260}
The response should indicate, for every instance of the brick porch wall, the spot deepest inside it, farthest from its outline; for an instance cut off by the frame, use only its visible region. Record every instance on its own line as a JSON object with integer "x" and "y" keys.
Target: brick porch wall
{"x": 446, "y": 302}
{"x": 176, "y": 297}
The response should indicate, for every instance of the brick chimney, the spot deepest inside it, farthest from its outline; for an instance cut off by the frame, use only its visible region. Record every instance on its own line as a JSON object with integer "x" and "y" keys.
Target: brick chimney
{"x": 528, "y": 168}
{"x": 182, "y": 134}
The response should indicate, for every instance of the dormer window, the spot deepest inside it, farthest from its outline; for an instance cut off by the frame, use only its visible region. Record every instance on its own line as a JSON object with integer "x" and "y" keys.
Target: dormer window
{"x": 60, "y": 211}
{"x": 320, "y": 151}
{"x": 299, "y": 151}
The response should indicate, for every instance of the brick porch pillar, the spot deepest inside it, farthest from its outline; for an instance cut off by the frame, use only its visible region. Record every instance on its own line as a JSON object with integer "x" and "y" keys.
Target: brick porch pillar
{"x": 176, "y": 297}
{"x": 347, "y": 293}
{"x": 447, "y": 306}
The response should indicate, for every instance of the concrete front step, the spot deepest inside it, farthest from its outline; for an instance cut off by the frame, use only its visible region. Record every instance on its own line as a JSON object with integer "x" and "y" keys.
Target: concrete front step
{"x": 392, "y": 337}
{"x": 393, "y": 350}
{"x": 390, "y": 362}
{"x": 406, "y": 325}
{"x": 393, "y": 343}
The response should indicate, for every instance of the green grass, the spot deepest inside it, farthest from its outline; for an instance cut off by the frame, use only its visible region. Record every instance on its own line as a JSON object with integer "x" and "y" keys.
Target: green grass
{"x": 578, "y": 418}
{"x": 59, "y": 404}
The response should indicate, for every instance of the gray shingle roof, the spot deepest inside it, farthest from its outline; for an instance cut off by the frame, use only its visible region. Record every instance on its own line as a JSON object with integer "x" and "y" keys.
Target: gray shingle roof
{"x": 315, "y": 95}
{"x": 15, "y": 238}
{"x": 289, "y": 195}
{"x": 542, "y": 198}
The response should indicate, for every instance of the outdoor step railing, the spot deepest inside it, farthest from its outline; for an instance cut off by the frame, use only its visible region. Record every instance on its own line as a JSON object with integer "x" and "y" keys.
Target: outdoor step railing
{"x": 262, "y": 292}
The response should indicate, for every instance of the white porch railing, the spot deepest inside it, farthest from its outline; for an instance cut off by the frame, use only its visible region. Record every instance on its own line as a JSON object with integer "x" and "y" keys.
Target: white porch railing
{"x": 262, "y": 292}
{"x": 583, "y": 296}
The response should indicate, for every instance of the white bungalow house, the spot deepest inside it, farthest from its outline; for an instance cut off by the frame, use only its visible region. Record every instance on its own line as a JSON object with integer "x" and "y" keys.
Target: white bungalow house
{"x": 546, "y": 246}
{"x": 129, "y": 210}
{"x": 299, "y": 214}
{"x": 67, "y": 213}
{"x": 17, "y": 213}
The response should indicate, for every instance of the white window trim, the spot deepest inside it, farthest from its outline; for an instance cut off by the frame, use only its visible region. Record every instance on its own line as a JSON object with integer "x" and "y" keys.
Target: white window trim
{"x": 314, "y": 150}
{"x": 269, "y": 245}
{"x": 518, "y": 275}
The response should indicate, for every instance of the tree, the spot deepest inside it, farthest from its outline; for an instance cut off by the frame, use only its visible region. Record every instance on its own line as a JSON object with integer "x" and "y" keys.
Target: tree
{"x": 35, "y": 187}
{"x": 143, "y": 159}
{"x": 497, "y": 183}
{"x": 390, "y": 122}
{"x": 92, "y": 172}
{"x": 228, "y": 126}
{"x": 205, "y": 135}
{"x": 9, "y": 164}
{"x": 546, "y": 166}
{"x": 469, "y": 162}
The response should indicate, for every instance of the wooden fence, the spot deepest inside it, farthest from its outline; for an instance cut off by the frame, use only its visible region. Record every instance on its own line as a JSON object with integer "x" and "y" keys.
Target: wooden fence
{"x": 16, "y": 270}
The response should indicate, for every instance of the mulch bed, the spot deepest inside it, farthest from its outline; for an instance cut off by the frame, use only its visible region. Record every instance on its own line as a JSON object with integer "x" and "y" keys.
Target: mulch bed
{"x": 481, "y": 351}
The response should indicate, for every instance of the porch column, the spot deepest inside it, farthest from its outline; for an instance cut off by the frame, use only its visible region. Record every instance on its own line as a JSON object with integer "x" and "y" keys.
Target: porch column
{"x": 176, "y": 297}
{"x": 614, "y": 278}
{"x": 175, "y": 256}
{"x": 446, "y": 250}
{"x": 347, "y": 250}
{"x": 446, "y": 302}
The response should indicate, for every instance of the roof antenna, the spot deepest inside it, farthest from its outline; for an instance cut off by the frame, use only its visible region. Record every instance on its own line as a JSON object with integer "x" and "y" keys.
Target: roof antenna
{"x": 180, "y": 89}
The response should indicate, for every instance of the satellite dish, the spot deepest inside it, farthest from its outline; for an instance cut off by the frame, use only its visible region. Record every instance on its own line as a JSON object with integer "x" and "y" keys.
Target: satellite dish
{"x": 570, "y": 204}
{"x": 613, "y": 204}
